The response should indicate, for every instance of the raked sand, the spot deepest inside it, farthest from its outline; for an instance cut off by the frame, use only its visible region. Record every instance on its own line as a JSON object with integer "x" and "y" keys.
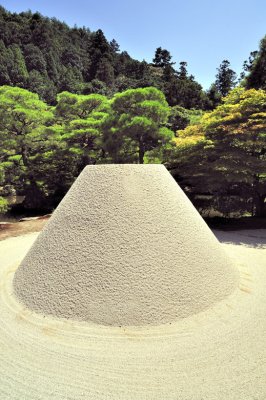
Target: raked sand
{"x": 216, "y": 354}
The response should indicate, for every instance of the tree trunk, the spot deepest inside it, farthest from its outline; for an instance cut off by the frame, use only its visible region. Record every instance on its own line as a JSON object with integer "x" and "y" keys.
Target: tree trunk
{"x": 24, "y": 154}
{"x": 259, "y": 198}
{"x": 141, "y": 152}
{"x": 34, "y": 197}
{"x": 260, "y": 205}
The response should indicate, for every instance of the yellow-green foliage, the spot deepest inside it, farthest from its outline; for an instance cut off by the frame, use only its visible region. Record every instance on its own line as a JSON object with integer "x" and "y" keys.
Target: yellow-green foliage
{"x": 242, "y": 114}
{"x": 239, "y": 107}
{"x": 189, "y": 136}
{"x": 3, "y": 205}
{"x": 226, "y": 151}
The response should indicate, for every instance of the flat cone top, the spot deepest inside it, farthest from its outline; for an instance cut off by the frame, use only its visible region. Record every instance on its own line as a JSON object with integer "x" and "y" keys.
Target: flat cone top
{"x": 124, "y": 247}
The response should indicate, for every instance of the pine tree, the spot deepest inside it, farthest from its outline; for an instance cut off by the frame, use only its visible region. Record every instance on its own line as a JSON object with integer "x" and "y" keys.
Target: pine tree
{"x": 182, "y": 73}
{"x": 114, "y": 46}
{"x": 162, "y": 58}
{"x": 136, "y": 124}
{"x": 225, "y": 78}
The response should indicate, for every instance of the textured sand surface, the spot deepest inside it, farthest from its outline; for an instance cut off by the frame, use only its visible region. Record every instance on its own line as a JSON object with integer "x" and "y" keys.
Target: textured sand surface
{"x": 216, "y": 354}
{"x": 125, "y": 247}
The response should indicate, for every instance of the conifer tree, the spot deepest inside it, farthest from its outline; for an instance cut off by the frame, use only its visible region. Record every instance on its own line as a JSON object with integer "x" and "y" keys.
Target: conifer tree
{"x": 162, "y": 58}
{"x": 256, "y": 77}
{"x": 225, "y": 78}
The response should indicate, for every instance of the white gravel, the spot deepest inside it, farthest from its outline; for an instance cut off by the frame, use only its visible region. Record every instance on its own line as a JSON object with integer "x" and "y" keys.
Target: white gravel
{"x": 215, "y": 355}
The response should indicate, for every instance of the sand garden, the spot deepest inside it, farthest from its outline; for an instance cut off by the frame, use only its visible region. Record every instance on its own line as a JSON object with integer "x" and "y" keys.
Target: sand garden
{"x": 157, "y": 309}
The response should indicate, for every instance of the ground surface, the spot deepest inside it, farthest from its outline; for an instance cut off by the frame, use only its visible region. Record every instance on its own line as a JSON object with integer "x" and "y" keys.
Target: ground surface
{"x": 217, "y": 354}
{"x": 22, "y": 228}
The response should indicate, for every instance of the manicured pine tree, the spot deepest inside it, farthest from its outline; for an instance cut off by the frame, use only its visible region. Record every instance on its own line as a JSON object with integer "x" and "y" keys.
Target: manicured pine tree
{"x": 136, "y": 124}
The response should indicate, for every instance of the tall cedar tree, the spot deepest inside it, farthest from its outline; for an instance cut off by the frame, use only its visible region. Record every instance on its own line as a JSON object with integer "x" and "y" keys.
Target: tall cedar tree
{"x": 225, "y": 78}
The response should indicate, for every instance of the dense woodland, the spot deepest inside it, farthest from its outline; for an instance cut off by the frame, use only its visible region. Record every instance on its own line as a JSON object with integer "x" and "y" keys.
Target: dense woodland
{"x": 69, "y": 98}
{"x": 47, "y": 57}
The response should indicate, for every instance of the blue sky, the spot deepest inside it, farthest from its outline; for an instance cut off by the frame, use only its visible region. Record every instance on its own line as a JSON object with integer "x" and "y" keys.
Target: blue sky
{"x": 203, "y": 33}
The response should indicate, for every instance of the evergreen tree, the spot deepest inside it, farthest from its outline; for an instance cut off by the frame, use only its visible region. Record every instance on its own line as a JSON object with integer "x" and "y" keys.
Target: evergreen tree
{"x": 96, "y": 87}
{"x": 162, "y": 58}
{"x": 105, "y": 72}
{"x": 136, "y": 124}
{"x": 256, "y": 68}
{"x": 114, "y": 46}
{"x": 42, "y": 85}
{"x": 213, "y": 97}
{"x": 22, "y": 117}
{"x": 4, "y": 70}
{"x": 53, "y": 66}
{"x": 79, "y": 119}
{"x": 70, "y": 80}
{"x": 71, "y": 57}
{"x": 37, "y": 51}
{"x": 34, "y": 59}
{"x": 72, "y": 106}
{"x": 182, "y": 73}
{"x": 17, "y": 68}
{"x": 225, "y": 78}
{"x": 99, "y": 49}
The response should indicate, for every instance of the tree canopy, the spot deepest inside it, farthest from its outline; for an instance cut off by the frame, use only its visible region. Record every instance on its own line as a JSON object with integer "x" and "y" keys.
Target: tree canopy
{"x": 224, "y": 155}
{"x": 225, "y": 78}
{"x": 256, "y": 68}
{"x": 47, "y": 57}
{"x": 43, "y": 148}
{"x": 219, "y": 155}
{"x": 69, "y": 98}
{"x": 136, "y": 124}
{"x": 22, "y": 136}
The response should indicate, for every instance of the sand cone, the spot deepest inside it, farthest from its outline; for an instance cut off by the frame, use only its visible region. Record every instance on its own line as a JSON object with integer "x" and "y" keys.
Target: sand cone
{"x": 125, "y": 247}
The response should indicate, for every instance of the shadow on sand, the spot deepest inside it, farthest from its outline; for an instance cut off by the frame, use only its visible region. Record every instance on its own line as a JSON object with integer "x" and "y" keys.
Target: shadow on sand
{"x": 255, "y": 238}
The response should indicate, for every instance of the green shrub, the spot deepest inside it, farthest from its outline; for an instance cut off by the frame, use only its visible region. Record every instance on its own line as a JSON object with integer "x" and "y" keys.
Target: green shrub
{"x": 3, "y": 205}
